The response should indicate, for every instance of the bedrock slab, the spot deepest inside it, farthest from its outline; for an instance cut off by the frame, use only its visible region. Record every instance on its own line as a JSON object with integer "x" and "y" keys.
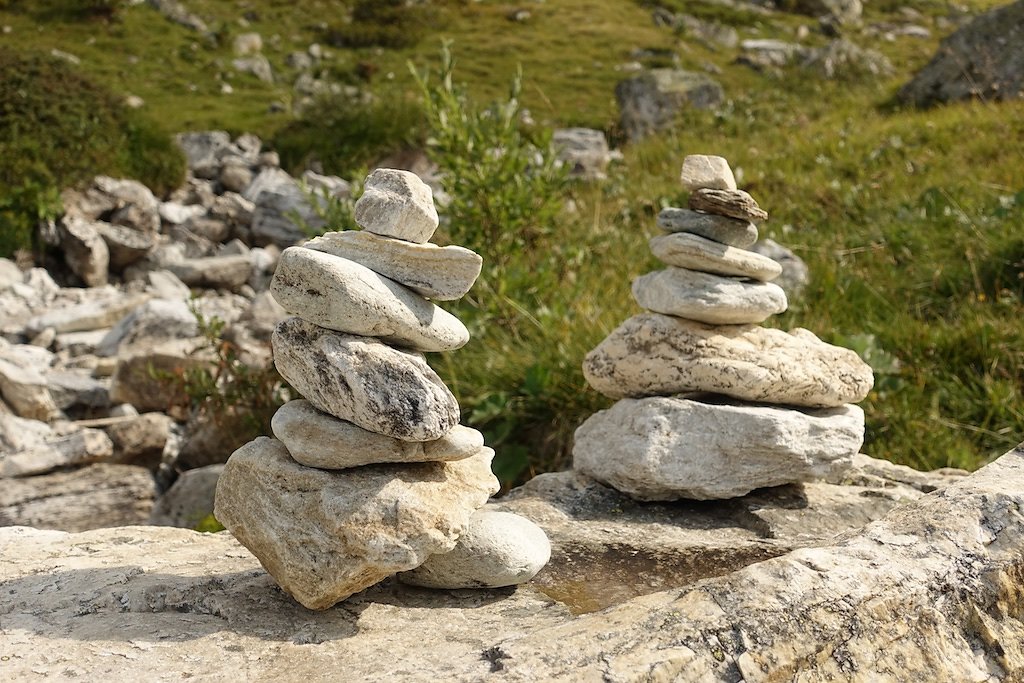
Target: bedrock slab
{"x": 659, "y": 355}
{"x": 316, "y": 439}
{"x": 671, "y": 448}
{"x": 686, "y": 250}
{"x": 708, "y": 298}
{"x": 442, "y": 273}
{"x": 925, "y": 593}
{"x": 344, "y": 296}
{"x": 324, "y": 535}
{"x": 361, "y": 380}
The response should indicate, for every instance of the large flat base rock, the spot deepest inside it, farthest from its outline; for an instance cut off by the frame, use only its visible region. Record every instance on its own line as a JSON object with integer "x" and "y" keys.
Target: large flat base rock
{"x": 930, "y": 592}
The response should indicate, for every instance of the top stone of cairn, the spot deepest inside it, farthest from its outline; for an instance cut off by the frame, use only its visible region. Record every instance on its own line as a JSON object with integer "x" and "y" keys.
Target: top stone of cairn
{"x": 397, "y": 204}
{"x": 705, "y": 172}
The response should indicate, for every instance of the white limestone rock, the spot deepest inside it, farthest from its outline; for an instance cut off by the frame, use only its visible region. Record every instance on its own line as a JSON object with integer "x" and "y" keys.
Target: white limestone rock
{"x": 326, "y": 535}
{"x": 85, "y": 252}
{"x": 316, "y": 439}
{"x": 658, "y": 355}
{"x": 152, "y": 323}
{"x": 78, "y": 448}
{"x": 708, "y": 298}
{"x": 498, "y": 549}
{"x": 442, "y": 273}
{"x": 360, "y": 380}
{"x": 703, "y": 171}
{"x": 397, "y": 204}
{"x": 672, "y": 448}
{"x": 686, "y": 250}
{"x": 344, "y": 296}
{"x": 729, "y": 231}
{"x": 25, "y": 390}
{"x": 94, "y": 314}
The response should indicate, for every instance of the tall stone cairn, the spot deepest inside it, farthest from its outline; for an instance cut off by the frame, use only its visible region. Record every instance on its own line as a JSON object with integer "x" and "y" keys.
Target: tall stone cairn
{"x": 712, "y": 405}
{"x": 371, "y": 473}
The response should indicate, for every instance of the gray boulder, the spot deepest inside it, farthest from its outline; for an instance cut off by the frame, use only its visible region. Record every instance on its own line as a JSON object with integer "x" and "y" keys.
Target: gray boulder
{"x": 795, "y": 274}
{"x": 85, "y": 251}
{"x": 202, "y": 151}
{"x": 190, "y": 500}
{"x": 584, "y": 150}
{"x": 982, "y": 60}
{"x": 651, "y": 101}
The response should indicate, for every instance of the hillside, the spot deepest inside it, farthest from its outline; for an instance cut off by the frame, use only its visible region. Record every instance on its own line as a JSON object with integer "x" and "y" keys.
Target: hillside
{"x": 908, "y": 219}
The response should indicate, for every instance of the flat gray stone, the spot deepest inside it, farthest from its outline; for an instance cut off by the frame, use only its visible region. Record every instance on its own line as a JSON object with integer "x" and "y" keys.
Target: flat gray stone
{"x": 442, "y": 273}
{"x": 722, "y": 229}
{"x": 732, "y": 203}
{"x": 316, "y": 439}
{"x": 397, "y": 204}
{"x": 359, "y": 379}
{"x": 703, "y": 171}
{"x": 342, "y": 295}
{"x": 89, "y": 315}
{"x": 694, "y": 252}
{"x": 78, "y": 448}
{"x": 326, "y": 535}
{"x": 659, "y": 355}
{"x": 708, "y": 298}
{"x": 672, "y": 448}
{"x": 498, "y": 549}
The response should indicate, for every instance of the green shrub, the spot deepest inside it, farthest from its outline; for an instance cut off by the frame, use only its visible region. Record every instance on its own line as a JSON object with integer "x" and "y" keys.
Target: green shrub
{"x": 381, "y": 23}
{"x": 59, "y": 128}
{"x": 346, "y": 135}
{"x": 67, "y": 10}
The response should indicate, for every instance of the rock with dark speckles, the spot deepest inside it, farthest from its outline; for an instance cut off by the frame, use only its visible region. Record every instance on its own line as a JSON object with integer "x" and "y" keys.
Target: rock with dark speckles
{"x": 363, "y": 381}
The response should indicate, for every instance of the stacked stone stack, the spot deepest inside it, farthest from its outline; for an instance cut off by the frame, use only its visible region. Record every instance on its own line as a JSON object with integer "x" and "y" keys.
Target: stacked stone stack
{"x": 711, "y": 404}
{"x": 372, "y": 474}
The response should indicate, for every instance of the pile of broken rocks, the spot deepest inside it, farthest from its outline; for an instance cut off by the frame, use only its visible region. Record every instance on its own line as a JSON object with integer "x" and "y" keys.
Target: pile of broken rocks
{"x": 89, "y": 433}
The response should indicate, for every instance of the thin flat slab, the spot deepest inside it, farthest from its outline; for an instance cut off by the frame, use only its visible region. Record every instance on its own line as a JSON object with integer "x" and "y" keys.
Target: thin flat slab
{"x": 316, "y": 439}
{"x": 708, "y": 298}
{"x": 344, "y": 296}
{"x": 326, "y": 535}
{"x": 732, "y": 203}
{"x": 694, "y": 252}
{"x": 659, "y": 355}
{"x": 442, "y": 273}
{"x": 728, "y": 231}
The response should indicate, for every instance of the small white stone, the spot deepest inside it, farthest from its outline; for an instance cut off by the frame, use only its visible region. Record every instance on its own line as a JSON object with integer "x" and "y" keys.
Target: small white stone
{"x": 499, "y": 549}
{"x": 702, "y": 171}
{"x": 708, "y": 298}
{"x": 397, "y": 204}
{"x": 316, "y": 439}
{"x": 685, "y": 250}
{"x": 442, "y": 273}
{"x": 344, "y": 296}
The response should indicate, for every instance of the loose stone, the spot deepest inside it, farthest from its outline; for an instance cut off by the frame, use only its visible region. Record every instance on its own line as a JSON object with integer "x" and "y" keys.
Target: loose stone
{"x": 698, "y": 253}
{"x": 708, "y": 298}
{"x": 358, "y": 379}
{"x": 722, "y": 229}
{"x": 316, "y": 439}
{"x": 326, "y": 535}
{"x": 732, "y": 203}
{"x": 498, "y": 549}
{"x": 344, "y": 296}
{"x": 442, "y": 273}
{"x": 702, "y": 171}
{"x": 671, "y": 448}
{"x": 659, "y": 355}
{"x": 397, "y": 204}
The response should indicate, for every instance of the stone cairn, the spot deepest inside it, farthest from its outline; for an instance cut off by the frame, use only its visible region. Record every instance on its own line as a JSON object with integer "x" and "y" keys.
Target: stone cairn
{"x": 712, "y": 405}
{"x": 372, "y": 474}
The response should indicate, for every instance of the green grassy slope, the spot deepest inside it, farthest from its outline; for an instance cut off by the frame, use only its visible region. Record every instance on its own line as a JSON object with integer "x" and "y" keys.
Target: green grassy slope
{"x": 910, "y": 221}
